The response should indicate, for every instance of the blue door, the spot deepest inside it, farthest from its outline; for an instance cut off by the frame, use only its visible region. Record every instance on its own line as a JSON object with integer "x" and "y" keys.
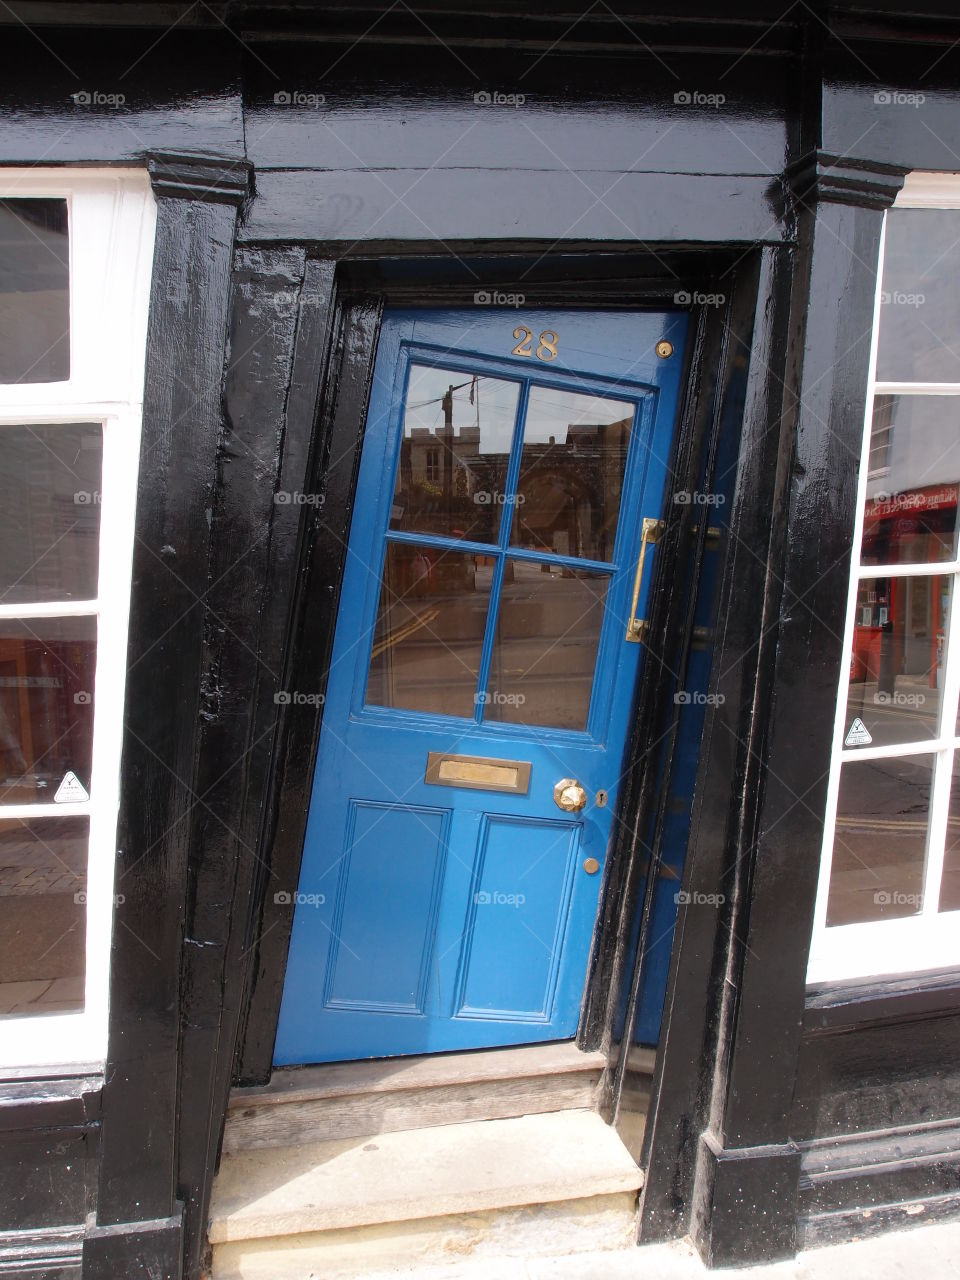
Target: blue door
{"x": 481, "y": 685}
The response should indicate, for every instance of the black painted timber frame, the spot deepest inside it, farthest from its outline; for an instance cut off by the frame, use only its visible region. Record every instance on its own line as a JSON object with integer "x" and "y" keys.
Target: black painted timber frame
{"x": 778, "y": 1114}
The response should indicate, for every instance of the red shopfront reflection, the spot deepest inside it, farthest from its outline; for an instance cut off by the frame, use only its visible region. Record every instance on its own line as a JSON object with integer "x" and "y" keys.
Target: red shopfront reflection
{"x": 900, "y": 625}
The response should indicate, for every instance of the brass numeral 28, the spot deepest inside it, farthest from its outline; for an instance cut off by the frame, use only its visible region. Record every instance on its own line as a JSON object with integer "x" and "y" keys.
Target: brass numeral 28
{"x": 546, "y": 345}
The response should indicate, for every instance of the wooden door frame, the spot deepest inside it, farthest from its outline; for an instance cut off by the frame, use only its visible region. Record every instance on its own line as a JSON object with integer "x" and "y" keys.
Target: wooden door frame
{"x": 360, "y": 291}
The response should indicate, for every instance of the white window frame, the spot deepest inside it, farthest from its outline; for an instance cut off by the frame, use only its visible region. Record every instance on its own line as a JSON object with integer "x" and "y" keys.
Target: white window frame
{"x": 930, "y": 939}
{"x": 111, "y": 231}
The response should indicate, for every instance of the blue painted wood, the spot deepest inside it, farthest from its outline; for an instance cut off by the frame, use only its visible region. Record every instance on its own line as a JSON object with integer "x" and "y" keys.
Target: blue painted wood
{"x": 436, "y": 918}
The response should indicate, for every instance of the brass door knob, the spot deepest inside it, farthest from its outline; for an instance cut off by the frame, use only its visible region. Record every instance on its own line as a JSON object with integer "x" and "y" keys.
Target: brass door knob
{"x": 569, "y": 795}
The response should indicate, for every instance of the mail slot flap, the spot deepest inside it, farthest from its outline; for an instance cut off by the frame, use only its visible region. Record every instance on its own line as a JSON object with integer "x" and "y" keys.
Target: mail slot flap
{"x": 479, "y": 773}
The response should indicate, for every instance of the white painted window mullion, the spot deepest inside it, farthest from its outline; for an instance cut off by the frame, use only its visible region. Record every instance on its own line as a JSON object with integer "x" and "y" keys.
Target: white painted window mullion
{"x": 839, "y": 727}
{"x": 111, "y": 223}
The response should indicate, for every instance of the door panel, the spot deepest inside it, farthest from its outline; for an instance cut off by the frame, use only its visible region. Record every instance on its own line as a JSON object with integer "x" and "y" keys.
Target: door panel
{"x": 521, "y": 891}
{"x": 449, "y": 903}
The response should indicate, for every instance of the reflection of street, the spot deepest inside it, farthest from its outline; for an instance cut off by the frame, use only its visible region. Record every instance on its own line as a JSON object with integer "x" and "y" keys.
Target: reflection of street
{"x": 906, "y": 714}
{"x": 546, "y": 646}
{"x": 880, "y": 840}
{"x": 406, "y": 631}
{"x": 430, "y": 626}
{"x": 42, "y": 935}
{"x": 430, "y": 630}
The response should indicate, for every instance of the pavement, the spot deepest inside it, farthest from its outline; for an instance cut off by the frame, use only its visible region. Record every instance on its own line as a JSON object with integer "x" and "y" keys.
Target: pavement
{"x": 919, "y": 1253}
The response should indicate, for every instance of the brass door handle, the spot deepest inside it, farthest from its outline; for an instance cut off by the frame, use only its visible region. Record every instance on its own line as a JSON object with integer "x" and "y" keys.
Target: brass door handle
{"x": 569, "y": 795}
{"x": 637, "y": 627}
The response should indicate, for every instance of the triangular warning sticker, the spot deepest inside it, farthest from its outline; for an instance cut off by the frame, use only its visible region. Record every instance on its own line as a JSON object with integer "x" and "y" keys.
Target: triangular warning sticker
{"x": 858, "y": 735}
{"x": 71, "y": 790}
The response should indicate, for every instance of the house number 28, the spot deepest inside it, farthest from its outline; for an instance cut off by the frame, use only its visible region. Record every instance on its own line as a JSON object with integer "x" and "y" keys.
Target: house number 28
{"x": 546, "y": 344}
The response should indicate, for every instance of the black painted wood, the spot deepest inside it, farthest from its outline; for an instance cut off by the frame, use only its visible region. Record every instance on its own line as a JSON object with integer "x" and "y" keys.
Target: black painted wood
{"x": 47, "y": 1175}
{"x": 602, "y": 160}
{"x": 238, "y": 716}
{"x": 893, "y": 999}
{"x": 52, "y": 1102}
{"x": 625, "y": 939}
{"x": 752, "y": 405}
{"x": 180, "y": 93}
{"x": 773, "y": 889}
{"x": 260, "y": 961}
{"x": 379, "y": 209}
{"x": 331, "y": 471}
{"x": 145, "y": 1247}
{"x": 166, "y": 697}
{"x": 897, "y": 1068}
{"x": 52, "y": 1253}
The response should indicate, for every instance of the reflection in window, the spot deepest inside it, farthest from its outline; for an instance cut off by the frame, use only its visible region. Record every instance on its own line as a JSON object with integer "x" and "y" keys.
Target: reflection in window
{"x": 545, "y": 648}
{"x": 43, "y": 881}
{"x": 429, "y": 630}
{"x": 880, "y": 840}
{"x": 50, "y": 512}
{"x": 888, "y": 862}
{"x": 950, "y": 881}
{"x": 571, "y": 473}
{"x": 457, "y": 433}
{"x": 46, "y": 706}
{"x": 34, "y": 291}
{"x": 896, "y": 668}
{"x": 920, "y": 307}
{"x": 911, "y": 511}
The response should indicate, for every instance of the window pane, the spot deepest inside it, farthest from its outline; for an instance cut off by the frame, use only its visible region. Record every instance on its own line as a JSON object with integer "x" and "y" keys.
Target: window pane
{"x": 46, "y": 706}
{"x": 545, "y": 648}
{"x": 950, "y": 882}
{"x": 919, "y": 337}
{"x": 571, "y": 473}
{"x": 34, "y": 291}
{"x": 457, "y": 432}
{"x": 50, "y": 512}
{"x": 896, "y": 670}
{"x": 911, "y": 511}
{"x": 881, "y": 840}
{"x": 43, "y": 881}
{"x": 429, "y": 631}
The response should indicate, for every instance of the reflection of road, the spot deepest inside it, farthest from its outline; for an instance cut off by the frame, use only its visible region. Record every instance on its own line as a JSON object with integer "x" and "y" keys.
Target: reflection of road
{"x": 908, "y": 714}
{"x": 880, "y": 841}
{"x": 406, "y": 630}
{"x": 427, "y": 656}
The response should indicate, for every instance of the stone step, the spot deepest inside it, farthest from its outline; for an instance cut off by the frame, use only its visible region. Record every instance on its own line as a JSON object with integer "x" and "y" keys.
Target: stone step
{"x": 356, "y": 1099}
{"x": 495, "y": 1188}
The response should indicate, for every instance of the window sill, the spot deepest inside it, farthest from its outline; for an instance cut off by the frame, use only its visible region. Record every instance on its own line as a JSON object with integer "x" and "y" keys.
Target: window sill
{"x": 837, "y": 1006}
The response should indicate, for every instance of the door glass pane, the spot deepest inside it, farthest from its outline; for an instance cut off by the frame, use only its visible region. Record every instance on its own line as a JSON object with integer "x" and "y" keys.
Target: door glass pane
{"x": 34, "y": 291}
{"x": 50, "y": 512}
{"x": 457, "y": 432}
{"x": 429, "y": 630}
{"x": 43, "y": 881}
{"x": 881, "y": 840}
{"x": 919, "y": 337}
{"x": 571, "y": 473}
{"x": 545, "y": 647}
{"x": 896, "y": 671}
{"x": 914, "y": 470}
{"x": 46, "y": 706}
{"x": 950, "y": 880}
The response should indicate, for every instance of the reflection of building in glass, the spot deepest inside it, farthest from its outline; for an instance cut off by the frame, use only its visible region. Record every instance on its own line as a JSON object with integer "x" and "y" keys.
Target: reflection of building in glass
{"x": 910, "y": 518}
{"x": 568, "y": 493}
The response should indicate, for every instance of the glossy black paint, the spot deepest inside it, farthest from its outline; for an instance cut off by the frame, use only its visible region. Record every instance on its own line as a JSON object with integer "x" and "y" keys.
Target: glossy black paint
{"x": 775, "y": 1111}
{"x": 170, "y": 695}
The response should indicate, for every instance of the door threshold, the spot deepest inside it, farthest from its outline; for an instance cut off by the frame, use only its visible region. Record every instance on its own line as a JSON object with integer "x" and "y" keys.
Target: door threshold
{"x": 357, "y": 1099}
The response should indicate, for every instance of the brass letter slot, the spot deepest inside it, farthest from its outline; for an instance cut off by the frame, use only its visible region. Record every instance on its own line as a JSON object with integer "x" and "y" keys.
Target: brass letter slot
{"x": 478, "y": 773}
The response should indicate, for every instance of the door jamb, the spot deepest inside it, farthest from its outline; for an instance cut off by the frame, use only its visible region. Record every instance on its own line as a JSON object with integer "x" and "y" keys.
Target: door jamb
{"x": 362, "y": 290}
